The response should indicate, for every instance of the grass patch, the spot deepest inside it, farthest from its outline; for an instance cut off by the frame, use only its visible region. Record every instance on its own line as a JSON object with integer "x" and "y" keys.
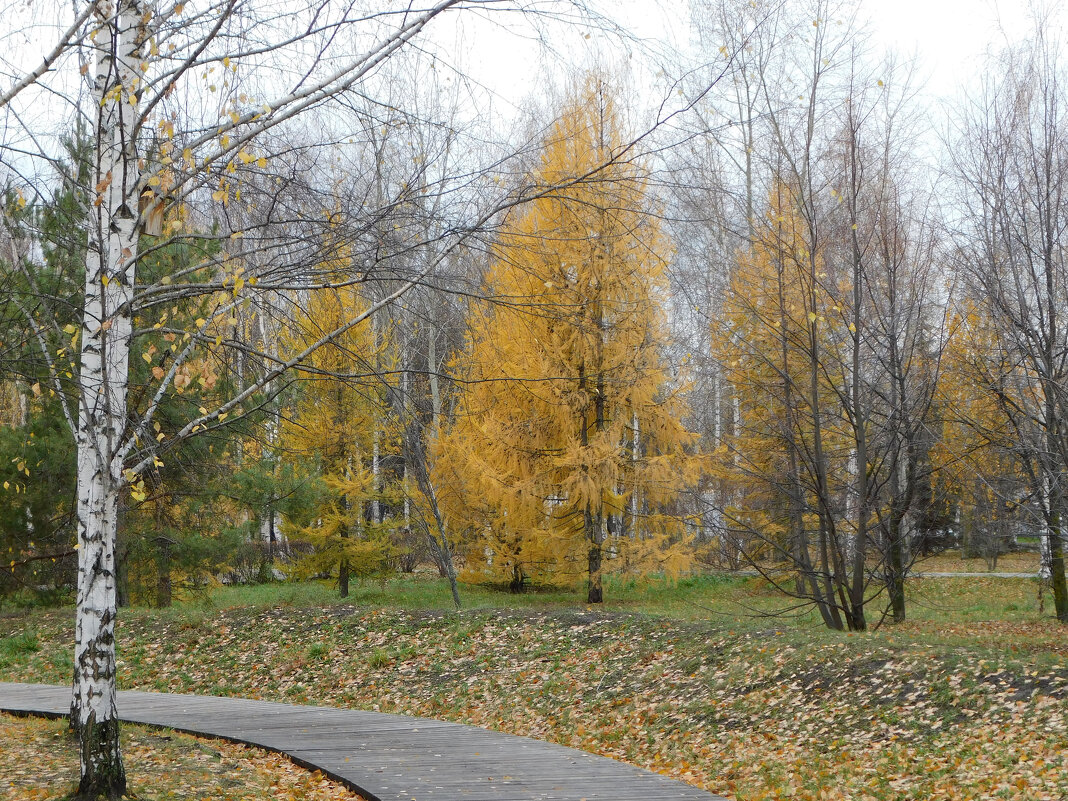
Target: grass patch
{"x": 743, "y": 602}
{"x": 18, "y": 644}
{"x": 952, "y": 561}
{"x": 692, "y": 598}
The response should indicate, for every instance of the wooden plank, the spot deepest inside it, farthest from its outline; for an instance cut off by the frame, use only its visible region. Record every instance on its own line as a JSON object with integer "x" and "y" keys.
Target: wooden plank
{"x": 387, "y": 757}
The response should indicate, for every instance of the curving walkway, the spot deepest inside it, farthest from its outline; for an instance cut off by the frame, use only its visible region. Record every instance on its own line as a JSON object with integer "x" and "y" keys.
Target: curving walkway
{"x": 385, "y": 757}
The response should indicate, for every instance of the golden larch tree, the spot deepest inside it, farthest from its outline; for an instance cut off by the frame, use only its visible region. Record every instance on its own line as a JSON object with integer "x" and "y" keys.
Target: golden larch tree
{"x": 337, "y": 429}
{"x": 567, "y": 447}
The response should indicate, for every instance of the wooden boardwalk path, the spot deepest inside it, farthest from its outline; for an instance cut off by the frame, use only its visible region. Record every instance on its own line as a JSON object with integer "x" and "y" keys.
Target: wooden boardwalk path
{"x": 385, "y": 757}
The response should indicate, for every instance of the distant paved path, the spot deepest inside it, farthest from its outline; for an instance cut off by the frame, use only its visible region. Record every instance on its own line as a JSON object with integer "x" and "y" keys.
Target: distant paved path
{"x": 912, "y": 574}
{"x": 996, "y": 574}
{"x": 386, "y": 757}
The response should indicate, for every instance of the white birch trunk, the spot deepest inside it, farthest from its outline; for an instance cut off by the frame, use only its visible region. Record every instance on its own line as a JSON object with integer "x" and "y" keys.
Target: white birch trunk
{"x": 736, "y": 424}
{"x": 1045, "y": 560}
{"x": 634, "y": 455}
{"x": 432, "y": 376}
{"x": 852, "y": 504}
{"x": 404, "y": 479}
{"x": 376, "y": 466}
{"x": 710, "y": 522}
{"x": 376, "y": 472}
{"x": 717, "y": 410}
{"x": 105, "y": 350}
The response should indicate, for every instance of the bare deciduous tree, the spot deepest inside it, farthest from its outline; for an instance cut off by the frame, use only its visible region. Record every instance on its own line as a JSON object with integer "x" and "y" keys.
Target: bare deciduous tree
{"x": 1011, "y": 160}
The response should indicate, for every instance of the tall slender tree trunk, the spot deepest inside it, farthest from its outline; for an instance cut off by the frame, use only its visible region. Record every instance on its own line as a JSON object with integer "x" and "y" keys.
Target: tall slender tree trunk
{"x": 441, "y": 545}
{"x": 832, "y": 567}
{"x": 594, "y": 518}
{"x": 895, "y": 579}
{"x": 1056, "y": 549}
{"x": 1045, "y": 552}
{"x": 1053, "y": 464}
{"x": 595, "y": 537}
{"x": 104, "y": 375}
{"x": 343, "y": 461}
{"x": 902, "y": 488}
{"x": 432, "y": 378}
{"x": 163, "y": 577}
{"x": 376, "y": 439}
{"x": 857, "y": 581}
{"x": 1053, "y": 501}
{"x": 343, "y": 566}
{"x": 901, "y": 500}
{"x": 405, "y": 477}
{"x": 591, "y": 514}
{"x": 902, "y": 471}
{"x": 807, "y": 584}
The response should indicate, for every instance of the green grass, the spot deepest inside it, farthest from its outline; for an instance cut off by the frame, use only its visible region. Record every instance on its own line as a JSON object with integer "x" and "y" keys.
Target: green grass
{"x": 744, "y": 602}
{"x": 418, "y": 591}
{"x": 18, "y": 645}
{"x": 25, "y": 642}
{"x": 967, "y": 600}
{"x": 690, "y": 598}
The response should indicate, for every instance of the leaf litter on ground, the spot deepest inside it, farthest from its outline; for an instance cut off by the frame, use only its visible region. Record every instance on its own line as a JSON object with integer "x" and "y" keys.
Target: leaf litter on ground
{"x": 39, "y": 760}
{"x": 917, "y": 711}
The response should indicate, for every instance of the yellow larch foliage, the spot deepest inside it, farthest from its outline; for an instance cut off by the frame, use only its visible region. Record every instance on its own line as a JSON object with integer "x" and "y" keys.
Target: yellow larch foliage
{"x": 567, "y": 448}
{"x": 780, "y": 315}
{"x": 977, "y": 458}
{"x": 341, "y": 412}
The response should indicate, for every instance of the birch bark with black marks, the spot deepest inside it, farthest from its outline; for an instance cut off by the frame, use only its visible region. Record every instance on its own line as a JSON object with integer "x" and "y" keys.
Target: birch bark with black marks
{"x": 104, "y": 377}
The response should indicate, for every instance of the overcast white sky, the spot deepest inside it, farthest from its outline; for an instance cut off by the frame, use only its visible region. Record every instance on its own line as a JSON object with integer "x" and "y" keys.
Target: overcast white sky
{"x": 949, "y": 36}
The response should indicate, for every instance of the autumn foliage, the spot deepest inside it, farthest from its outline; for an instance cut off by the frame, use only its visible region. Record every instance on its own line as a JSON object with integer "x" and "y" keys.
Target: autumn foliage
{"x": 336, "y": 434}
{"x": 567, "y": 448}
